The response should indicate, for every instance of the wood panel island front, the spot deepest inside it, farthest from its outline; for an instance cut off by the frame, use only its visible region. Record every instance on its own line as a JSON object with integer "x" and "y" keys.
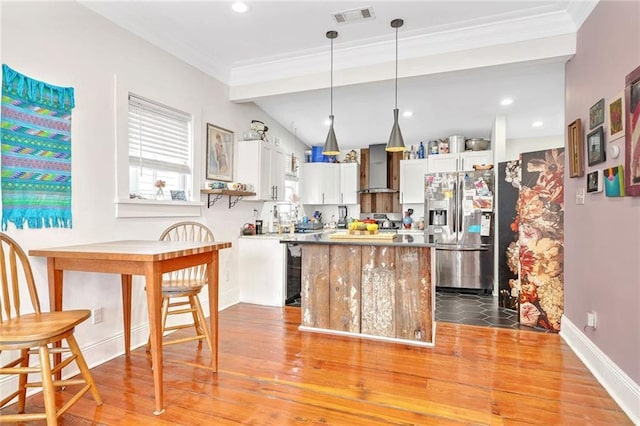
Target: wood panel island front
{"x": 377, "y": 288}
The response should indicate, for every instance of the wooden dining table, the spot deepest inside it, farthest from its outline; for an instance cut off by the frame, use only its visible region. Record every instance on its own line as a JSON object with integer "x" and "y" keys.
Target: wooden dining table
{"x": 150, "y": 259}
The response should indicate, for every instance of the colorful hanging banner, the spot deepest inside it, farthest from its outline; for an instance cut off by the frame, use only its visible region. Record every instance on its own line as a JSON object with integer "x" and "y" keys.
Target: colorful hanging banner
{"x": 35, "y": 129}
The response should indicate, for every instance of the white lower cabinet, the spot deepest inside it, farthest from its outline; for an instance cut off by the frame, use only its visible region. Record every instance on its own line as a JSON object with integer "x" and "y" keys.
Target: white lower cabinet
{"x": 262, "y": 266}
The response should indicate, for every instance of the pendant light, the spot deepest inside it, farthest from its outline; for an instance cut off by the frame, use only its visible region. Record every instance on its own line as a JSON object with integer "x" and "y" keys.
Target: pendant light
{"x": 396, "y": 142}
{"x": 331, "y": 144}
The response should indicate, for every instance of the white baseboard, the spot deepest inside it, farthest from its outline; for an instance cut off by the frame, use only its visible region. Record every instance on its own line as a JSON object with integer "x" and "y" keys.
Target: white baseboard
{"x": 620, "y": 386}
{"x": 94, "y": 354}
{"x": 102, "y": 351}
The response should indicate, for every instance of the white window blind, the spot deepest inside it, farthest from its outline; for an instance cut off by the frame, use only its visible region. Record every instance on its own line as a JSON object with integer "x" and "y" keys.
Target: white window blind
{"x": 159, "y": 137}
{"x": 159, "y": 147}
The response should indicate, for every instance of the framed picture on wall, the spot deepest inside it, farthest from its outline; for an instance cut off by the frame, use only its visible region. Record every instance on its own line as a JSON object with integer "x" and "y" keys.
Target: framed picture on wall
{"x": 596, "y": 114}
{"x": 576, "y": 149}
{"x": 615, "y": 117}
{"x": 594, "y": 181}
{"x": 632, "y": 133}
{"x": 219, "y": 153}
{"x": 595, "y": 146}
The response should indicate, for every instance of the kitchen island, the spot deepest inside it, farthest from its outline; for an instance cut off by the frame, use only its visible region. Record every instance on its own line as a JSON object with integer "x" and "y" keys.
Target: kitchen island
{"x": 378, "y": 287}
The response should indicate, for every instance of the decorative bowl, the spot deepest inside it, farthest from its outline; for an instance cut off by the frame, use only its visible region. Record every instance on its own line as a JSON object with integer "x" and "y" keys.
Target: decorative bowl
{"x": 477, "y": 144}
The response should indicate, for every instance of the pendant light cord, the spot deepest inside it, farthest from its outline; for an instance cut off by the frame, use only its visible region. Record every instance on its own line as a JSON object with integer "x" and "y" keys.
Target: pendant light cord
{"x": 332, "y": 79}
{"x": 396, "y": 68}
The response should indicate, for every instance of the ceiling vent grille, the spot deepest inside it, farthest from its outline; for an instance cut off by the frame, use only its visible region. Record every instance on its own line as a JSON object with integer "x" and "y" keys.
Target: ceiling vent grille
{"x": 353, "y": 15}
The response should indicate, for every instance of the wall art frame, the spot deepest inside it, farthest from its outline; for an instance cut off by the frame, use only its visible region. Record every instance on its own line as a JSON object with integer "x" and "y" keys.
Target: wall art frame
{"x": 632, "y": 133}
{"x": 595, "y": 146}
{"x": 613, "y": 178}
{"x": 615, "y": 117}
{"x": 576, "y": 149}
{"x": 596, "y": 114}
{"x": 594, "y": 181}
{"x": 219, "y": 153}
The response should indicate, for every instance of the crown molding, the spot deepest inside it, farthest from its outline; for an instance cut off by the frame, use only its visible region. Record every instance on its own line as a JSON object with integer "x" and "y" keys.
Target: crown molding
{"x": 557, "y": 48}
{"x": 544, "y": 26}
{"x": 579, "y": 10}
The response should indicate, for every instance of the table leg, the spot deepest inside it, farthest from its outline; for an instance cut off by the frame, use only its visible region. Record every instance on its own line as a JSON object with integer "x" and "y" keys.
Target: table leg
{"x": 126, "y": 311}
{"x": 212, "y": 278}
{"x": 54, "y": 278}
{"x": 153, "y": 284}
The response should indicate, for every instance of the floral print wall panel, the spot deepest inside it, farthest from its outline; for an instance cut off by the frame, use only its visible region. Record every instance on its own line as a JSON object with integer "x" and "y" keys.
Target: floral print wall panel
{"x": 540, "y": 224}
{"x": 508, "y": 252}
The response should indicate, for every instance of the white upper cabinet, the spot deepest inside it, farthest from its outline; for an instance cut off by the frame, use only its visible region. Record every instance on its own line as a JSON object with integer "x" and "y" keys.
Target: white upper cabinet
{"x": 443, "y": 163}
{"x": 262, "y": 165}
{"x": 319, "y": 183}
{"x": 412, "y": 180}
{"x": 349, "y": 183}
{"x": 462, "y": 161}
{"x": 471, "y": 158}
{"x": 329, "y": 183}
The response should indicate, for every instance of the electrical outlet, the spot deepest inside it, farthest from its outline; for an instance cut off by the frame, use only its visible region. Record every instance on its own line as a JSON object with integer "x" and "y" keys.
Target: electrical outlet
{"x": 592, "y": 319}
{"x": 96, "y": 315}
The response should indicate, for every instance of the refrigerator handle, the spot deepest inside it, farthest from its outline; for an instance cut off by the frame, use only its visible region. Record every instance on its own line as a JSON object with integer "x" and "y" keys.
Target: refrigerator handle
{"x": 460, "y": 196}
{"x": 454, "y": 211}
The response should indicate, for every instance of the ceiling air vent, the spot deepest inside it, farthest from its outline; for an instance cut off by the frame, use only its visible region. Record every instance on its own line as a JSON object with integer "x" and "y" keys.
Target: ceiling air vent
{"x": 353, "y": 15}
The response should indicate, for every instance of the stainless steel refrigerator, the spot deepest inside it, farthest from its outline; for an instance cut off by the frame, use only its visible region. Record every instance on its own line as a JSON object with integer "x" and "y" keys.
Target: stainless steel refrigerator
{"x": 460, "y": 221}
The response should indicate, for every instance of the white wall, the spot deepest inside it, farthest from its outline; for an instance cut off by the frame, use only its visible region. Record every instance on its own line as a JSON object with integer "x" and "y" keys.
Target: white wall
{"x": 65, "y": 44}
{"x": 596, "y": 278}
{"x": 515, "y": 147}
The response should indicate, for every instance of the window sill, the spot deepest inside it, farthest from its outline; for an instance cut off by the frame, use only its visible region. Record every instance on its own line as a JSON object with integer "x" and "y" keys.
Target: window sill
{"x": 132, "y": 208}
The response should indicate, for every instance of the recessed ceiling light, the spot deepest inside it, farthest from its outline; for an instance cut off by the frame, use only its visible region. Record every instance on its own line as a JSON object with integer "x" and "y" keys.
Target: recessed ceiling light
{"x": 407, "y": 113}
{"x": 240, "y": 7}
{"x": 537, "y": 124}
{"x": 327, "y": 122}
{"x": 506, "y": 101}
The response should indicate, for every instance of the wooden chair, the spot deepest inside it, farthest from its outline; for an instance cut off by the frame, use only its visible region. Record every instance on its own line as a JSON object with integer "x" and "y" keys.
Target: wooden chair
{"x": 180, "y": 288}
{"x": 33, "y": 333}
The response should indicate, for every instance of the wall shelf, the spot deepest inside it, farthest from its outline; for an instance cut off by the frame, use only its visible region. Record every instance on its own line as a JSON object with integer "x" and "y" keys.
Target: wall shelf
{"x": 214, "y": 195}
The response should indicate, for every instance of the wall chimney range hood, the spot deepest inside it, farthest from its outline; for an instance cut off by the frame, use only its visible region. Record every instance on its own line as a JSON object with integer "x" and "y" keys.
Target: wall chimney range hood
{"x": 378, "y": 170}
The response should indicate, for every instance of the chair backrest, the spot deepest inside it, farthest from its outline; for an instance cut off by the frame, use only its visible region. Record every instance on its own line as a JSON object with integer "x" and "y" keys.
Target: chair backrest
{"x": 188, "y": 231}
{"x": 15, "y": 271}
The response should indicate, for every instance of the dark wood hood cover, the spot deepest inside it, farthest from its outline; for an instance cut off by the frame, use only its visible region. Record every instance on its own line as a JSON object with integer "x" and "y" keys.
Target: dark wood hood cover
{"x": 381, "y": 202}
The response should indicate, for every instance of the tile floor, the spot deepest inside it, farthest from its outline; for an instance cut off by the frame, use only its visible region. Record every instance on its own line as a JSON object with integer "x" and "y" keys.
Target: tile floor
{"x": 467, "y": 308}
{"x": 475, "y": 309}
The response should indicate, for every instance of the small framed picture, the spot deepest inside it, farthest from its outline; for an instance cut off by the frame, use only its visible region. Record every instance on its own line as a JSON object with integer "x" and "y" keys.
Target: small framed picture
{"x": 576, "y": 149}
{"x": 595, "y": 146}
{"x": 219, "y": 153}
{"x": 596, "y": 114}
{"x": 178, "y": 196}
{"x": 615, "y": 117}
{"x": 594, "y": 181}
{"x": 614, "y": 181}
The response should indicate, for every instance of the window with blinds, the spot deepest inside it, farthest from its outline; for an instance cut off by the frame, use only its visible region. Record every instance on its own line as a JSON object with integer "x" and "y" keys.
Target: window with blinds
{"x": 159, "y": 149}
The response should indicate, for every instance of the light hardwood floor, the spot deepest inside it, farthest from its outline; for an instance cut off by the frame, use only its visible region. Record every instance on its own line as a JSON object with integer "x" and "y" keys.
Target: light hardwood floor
{"x": 272, "y": 374}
